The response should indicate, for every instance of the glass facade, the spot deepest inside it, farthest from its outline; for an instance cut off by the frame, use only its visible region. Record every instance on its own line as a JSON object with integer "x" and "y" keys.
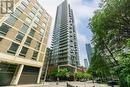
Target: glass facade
{"x": 29, "y": 75}
{"x": 64, "y": 47}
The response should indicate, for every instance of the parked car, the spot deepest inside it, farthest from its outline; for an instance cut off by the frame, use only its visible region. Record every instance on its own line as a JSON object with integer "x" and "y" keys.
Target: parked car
{"x": 82, "y": 80}
{"x": 112, "y": 82}
{"x": 98, "y": 80}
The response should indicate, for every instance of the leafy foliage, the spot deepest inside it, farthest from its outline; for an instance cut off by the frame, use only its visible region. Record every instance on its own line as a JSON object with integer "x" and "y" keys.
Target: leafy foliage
{"x": 111, "y": 39}
{"x": 82, "y": 75}
{"x": 61, "y": 73}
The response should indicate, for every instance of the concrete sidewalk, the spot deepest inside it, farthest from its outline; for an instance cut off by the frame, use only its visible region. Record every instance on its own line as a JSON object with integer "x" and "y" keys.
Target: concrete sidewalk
{"x": 79, "y": 84}
{"x": 27, "y": 85}
{"x": 63, "y": 84}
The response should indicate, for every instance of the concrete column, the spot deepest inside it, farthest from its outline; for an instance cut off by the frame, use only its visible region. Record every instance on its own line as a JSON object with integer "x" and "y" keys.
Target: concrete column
{"x": 17, "y": 75}
{"x": 39, "y": 75}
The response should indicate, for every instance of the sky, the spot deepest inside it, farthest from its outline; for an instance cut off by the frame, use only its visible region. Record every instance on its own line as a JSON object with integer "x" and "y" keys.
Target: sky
{"x": 83, "y": 11}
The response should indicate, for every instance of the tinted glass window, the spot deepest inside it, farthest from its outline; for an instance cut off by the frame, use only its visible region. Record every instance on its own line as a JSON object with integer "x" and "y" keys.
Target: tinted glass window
{"x": 32, "y": 32}
{"x": 24, "y": 28}
{"x": 34, "y": 10}
{"x": 31, "y": 14}
{"x": 35, "y": 53}
{"x": 25, "y": 2}
{"x": 39, "y": 14}
{"x": 28, "y": 20}
{"x": 37, "y": 20}
{"x": 42, "y": 32}
{"x": 30, "y": 69}
{"x": 4, "y": 29}
{"x": 37, "y": 46}
{"x": 43, "y": 25}
{"x": 19, "y": 37}
{"x": 13, "y": 48}
{"x": 28, "y": 41}
{"x": 34, "y": 25}
{"x": 22, "y": 7}
{"x": 17, "y": 13}
{"x": 23, "y": 51}
{"x": 11, "y": 20}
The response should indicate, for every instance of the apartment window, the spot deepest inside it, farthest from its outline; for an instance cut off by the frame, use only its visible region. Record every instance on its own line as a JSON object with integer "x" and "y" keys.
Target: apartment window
{"x": 36, "y": 5}
{"x": 24, "y": 28}
{"x": 42, "y": 32}
{"x": 4, "y": 29}
{"x": 28, "y": 20}
{"x": 22, "y": 7}
{"x": 34, "y": 10}
{"x": 37, "y": 46}
{"x": 17, "y": 12}
{"x": 43, "y": 25}
{"x": 70, "y": 31}
{"x": 40, "y": 10}
{"x": 35, "y": 54}
{"x": 37, "y": 20}
{"x": 34, "y": 25}
{"x": 25, "y": 2}
{"x": 39, "y": 14}
{"x": 71, "y": 40}
{"x": 28, "y": 41}
{"x": 32, "y": 32}
{"x": 46, "y": 16}
{"x": 71, "y": 36}
{"x": 13, "y": 48}
{"x": 45, "y": 20}
{"x": 19, "y": 37}
{"x": 11, "y": 20}
{"x": 31, "y": 14}
{"x": 23, "y": 51}
{"x": 40, "y": 37}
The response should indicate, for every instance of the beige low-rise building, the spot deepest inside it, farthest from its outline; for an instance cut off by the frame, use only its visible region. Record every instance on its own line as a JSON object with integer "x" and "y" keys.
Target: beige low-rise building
{"x": 23, "y": 42}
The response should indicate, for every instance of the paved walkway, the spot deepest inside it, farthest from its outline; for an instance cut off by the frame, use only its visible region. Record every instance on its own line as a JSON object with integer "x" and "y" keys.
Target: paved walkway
{"x": 79, "y": 84}
{"x": 63, "y": 84}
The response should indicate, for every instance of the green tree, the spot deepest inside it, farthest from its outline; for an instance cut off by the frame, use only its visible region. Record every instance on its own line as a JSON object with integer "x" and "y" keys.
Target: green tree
{"x": 111, "y": 39}
{"x": 79, "y": 75}
{"x": 61, "y": 73}
{"x": 82, "y": 75}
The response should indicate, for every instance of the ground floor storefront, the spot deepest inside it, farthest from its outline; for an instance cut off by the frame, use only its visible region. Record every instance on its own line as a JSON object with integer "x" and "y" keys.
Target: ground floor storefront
{"x": 18, "y": 74}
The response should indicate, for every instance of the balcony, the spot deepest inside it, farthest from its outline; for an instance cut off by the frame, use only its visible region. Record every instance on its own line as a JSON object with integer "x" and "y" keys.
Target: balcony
{"x": 63, "y": 45}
